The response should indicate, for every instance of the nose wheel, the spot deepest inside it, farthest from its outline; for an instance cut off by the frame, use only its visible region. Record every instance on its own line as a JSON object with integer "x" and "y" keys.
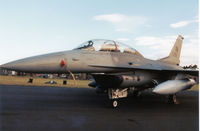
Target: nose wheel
{"x": 114, "y": 103}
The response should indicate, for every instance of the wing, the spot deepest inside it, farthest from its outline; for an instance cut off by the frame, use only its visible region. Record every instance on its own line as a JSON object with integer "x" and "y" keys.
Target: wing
{"x": 189, "y": 72}
{"x": 151, "y": 67}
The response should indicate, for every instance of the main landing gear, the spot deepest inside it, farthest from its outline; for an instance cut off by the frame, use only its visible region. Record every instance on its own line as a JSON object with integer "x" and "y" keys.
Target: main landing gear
{"x": 172, "y": 99}
{"x": 115, "y": 94}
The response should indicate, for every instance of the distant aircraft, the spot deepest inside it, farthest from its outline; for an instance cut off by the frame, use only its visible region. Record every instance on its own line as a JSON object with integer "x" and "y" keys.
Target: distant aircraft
{"x": 116, "y": 68}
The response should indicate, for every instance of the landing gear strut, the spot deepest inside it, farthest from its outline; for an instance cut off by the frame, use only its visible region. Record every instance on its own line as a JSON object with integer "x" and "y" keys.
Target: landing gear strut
{"x": 115, "y": 94}
{"x": 172, "y": 99}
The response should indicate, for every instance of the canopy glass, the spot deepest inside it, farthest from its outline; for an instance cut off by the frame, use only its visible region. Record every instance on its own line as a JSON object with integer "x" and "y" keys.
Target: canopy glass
{"x": 107, "y": 45}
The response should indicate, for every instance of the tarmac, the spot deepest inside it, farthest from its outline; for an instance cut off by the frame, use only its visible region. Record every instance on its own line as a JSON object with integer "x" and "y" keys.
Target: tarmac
{"x": 26, "y": 108}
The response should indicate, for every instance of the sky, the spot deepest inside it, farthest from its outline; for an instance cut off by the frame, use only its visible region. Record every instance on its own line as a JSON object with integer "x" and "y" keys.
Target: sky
{"x": 34, "y": 27}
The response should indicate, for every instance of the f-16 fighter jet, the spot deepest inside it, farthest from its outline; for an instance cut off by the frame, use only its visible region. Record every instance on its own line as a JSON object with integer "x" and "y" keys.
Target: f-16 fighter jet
{"x": 116, "y": 68}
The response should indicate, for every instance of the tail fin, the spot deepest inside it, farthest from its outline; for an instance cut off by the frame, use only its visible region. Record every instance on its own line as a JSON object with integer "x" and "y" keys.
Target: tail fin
{"x": 174, "y": 56}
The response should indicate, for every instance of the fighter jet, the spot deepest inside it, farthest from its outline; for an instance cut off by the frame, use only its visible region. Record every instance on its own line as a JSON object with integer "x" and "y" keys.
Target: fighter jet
{"x": 116, "y": 68}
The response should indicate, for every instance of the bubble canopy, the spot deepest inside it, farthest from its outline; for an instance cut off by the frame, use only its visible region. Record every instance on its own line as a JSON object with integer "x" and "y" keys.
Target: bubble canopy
{"x": 108, "y": 46}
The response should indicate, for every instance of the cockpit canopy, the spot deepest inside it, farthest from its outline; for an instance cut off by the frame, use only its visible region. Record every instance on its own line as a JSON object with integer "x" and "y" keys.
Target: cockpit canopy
{"x": 108, "y": 46}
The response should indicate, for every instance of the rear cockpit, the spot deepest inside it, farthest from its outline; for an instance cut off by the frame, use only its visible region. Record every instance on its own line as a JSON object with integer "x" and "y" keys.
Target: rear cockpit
{"x": 108, "y": 46}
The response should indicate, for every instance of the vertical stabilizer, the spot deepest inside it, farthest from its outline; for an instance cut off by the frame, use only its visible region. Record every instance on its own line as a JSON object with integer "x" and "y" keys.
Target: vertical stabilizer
{"x": 174, "y": 56}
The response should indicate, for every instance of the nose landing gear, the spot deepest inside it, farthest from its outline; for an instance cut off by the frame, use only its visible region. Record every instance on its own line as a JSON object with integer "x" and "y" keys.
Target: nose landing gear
{"x": 115, "y": 94}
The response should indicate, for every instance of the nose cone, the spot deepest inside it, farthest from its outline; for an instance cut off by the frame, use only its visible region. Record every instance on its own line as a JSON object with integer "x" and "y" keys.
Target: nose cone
{"x": 48, "y": 63}
{"x": 17, "y": 65}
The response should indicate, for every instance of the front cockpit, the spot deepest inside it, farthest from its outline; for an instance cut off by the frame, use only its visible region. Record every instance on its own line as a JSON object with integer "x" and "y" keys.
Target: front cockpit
{"x": 108, "y": 46}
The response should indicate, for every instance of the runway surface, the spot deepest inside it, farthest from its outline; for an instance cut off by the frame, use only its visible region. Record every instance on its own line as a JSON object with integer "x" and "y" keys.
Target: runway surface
{"x": 57, "y": 108}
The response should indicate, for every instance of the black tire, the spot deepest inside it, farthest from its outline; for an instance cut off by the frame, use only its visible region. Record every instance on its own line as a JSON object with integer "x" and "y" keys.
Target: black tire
{"x": 115, "y": 103}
